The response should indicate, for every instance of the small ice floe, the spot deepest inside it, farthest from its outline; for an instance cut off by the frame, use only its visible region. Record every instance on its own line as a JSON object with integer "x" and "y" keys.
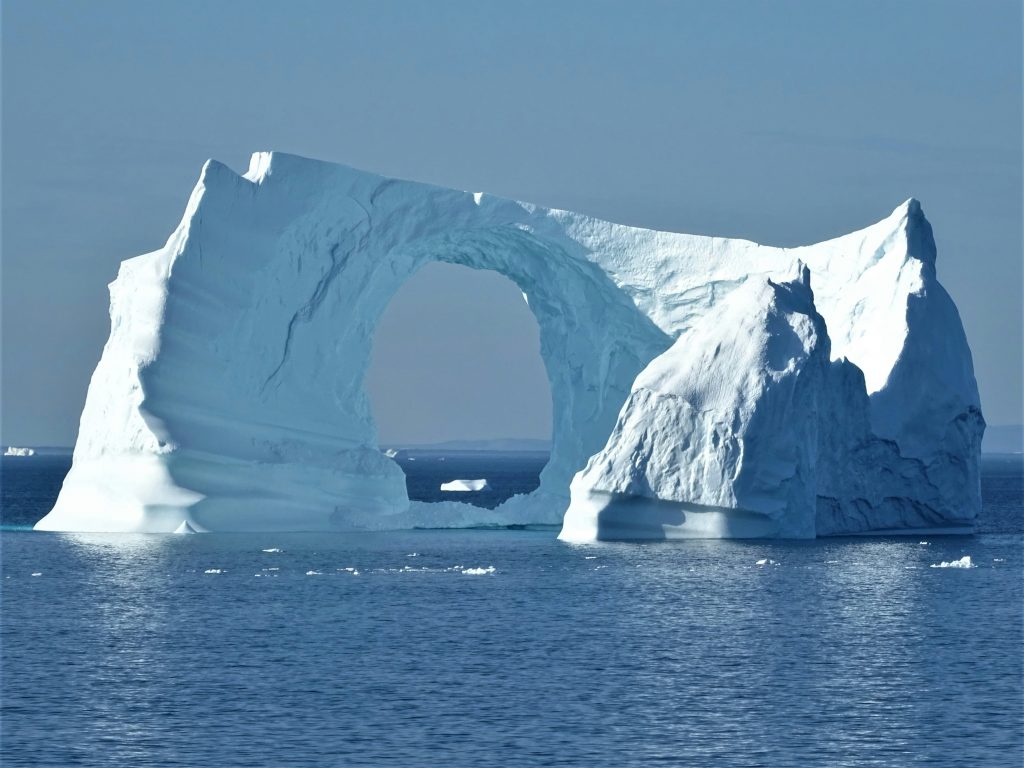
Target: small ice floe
{"x": 391, "y": 453}
{"x": 275, "y": 568}
{"x": 466, "y": 485}
{"x": 831, "y": 562}
{"x": 413, "y": 554}
{"x": 13, "y": 450}
{"x": 477, "y": 571}
{"x": 271, "y": 551}
{"x": 767, "y": 561}
{"x": 924, "y": 543}
{"x": 185, "y": 527}
{"x": 353, "y": 571}
{"x": 213, "y": 570}
{"x": 314, "y": 573}
{"x": 963, "y": 562}
{"x": 590, "y": 557}
{"x": 998, "y": 560}
{"x": 38, "y": 573}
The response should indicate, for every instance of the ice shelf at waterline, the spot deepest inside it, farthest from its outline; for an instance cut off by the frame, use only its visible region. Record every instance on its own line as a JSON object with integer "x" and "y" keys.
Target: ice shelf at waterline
{"x": 701, "y": 386}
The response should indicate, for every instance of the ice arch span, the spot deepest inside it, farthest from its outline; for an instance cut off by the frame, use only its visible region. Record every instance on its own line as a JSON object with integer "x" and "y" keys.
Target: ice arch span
{"x": 230, "y": 393}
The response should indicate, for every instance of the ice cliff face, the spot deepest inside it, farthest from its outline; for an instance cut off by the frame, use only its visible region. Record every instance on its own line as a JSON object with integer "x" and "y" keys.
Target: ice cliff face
{"x": 700, "y": 387}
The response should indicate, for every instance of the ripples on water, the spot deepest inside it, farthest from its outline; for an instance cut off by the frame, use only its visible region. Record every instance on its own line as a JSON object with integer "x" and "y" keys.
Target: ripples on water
{"x": 464, "y": 648}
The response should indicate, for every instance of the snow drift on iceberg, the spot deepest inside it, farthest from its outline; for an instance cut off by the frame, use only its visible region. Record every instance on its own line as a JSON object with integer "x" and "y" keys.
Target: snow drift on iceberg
{"x": 699, "y": 386}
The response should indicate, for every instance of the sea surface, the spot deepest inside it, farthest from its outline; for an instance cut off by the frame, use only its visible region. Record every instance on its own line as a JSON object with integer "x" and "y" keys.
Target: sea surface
{"x": 506, "y": 647}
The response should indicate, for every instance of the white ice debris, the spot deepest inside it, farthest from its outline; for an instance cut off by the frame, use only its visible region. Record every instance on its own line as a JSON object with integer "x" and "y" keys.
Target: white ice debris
{"x": 478, "y": 571}
{"x": 271, "y": 550}
{"x": 38, "y": 573}
{"x": 465, "y": 485}
{"x": 15, "y": 451}
{"x": 213, "y": 570}
{"x": 391, "y": 453}
{"x": 699, "y": 386}
{"x": 766, "y": 561}
{"x": 314, "y": 573}
{"x": 963, "y": 562}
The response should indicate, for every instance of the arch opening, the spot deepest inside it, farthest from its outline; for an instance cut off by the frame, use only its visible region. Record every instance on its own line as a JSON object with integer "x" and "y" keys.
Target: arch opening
{"x": 458, "y": 388}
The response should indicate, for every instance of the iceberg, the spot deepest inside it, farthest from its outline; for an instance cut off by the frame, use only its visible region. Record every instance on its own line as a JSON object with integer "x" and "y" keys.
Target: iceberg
{"x": 963, "y": 562}
{"x": 465, "y": 485}
{"x": 701, "y": 386}
{"x": 15, "y": 451}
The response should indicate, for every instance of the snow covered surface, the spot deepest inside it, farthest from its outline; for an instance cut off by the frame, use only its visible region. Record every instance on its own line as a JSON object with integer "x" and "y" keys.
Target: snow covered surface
{"x": 465, "y": 485}
{"x": 701, "y": 386}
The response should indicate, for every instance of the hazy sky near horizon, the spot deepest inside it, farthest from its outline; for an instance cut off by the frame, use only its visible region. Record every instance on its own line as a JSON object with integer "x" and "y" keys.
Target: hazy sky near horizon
{"x": 782, "y": 122}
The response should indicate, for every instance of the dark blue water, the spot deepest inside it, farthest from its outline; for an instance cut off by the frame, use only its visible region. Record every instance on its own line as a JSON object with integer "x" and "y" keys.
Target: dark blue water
{"x": 133, "y": 650}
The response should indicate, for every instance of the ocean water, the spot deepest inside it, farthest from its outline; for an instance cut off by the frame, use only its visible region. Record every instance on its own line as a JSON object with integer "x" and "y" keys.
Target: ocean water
{"x": 506, "y": 647}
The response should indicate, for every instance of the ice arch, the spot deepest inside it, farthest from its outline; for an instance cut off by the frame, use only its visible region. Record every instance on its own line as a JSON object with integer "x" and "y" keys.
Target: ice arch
{"x": 230, "y": 393}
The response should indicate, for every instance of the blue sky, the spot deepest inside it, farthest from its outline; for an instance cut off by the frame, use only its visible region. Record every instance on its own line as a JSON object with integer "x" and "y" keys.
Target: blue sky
{"x": 782, "y": 122}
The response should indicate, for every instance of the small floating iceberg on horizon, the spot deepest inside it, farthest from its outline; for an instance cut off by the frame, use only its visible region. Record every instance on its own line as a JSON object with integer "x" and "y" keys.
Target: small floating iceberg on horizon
{"x": 185, "y": 527}
{"x": 463, "y": 486}
{"x": 478, "y": 571}
{"x": 963, "y": 562}
{"x": 15, "y": 451}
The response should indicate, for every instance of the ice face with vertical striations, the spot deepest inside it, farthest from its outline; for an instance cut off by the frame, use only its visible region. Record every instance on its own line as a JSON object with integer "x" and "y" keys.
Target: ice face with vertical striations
{"x": 701, "y": 386}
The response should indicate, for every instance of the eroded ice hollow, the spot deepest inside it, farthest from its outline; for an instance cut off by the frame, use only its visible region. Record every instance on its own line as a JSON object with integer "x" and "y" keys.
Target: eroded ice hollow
{"x": 701, "y": 386}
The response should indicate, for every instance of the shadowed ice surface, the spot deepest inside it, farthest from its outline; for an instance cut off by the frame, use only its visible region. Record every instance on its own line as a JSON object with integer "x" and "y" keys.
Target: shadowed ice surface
{"x": 408, "y": 649}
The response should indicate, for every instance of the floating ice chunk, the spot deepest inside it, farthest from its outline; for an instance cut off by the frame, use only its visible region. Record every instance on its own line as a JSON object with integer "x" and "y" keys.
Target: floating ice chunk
{"x": 923, "y": 543}
{"x": 466, "y": 485}
{"x": 590, "y": 557}
{"x": 413, "y": 554}
{"x": 767, "y": 561}
{"x": 15, "y": 451}
{"x": 271, "y": 550}
{"x": 38, "y": 573}
{"x": 185, "y": 527}
{"x": 314, "y": 573}
{"x": 213, "y": 570}
{"x": 998, "y": 560}
{"x": 963, "y": 562}
{"x": 478, "y": 571}
{"x": 391, "y": 453}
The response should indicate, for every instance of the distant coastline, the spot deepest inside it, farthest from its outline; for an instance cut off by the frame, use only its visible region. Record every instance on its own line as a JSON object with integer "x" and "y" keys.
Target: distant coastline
{"x": 504, "y": 444}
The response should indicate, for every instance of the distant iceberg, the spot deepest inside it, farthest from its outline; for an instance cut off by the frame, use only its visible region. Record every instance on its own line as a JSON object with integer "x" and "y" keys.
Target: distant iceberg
{"x": 963, "y": 562}
{"x": 466, "y": 485}
{"x": 14, "y": 451}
